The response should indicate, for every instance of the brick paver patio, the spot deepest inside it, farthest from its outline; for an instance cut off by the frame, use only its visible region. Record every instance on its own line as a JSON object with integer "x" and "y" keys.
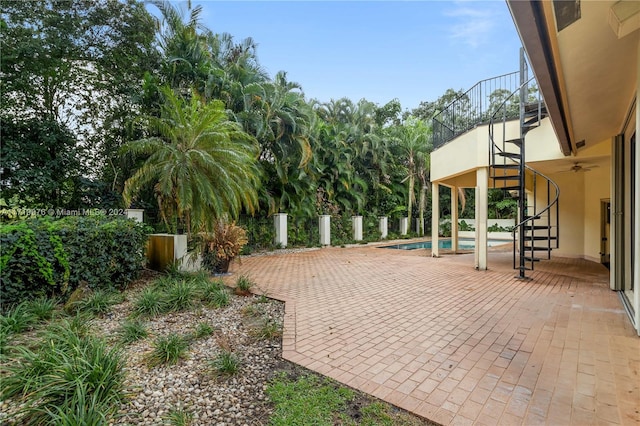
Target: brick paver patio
{"x": 460, "y": 346}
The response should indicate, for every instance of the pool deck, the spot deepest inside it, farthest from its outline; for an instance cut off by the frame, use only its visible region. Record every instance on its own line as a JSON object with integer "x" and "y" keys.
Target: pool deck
{"x": 455, "y": 345}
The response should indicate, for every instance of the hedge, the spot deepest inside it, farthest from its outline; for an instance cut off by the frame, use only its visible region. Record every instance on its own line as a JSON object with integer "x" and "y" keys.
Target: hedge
{"x": 52, "y": 257}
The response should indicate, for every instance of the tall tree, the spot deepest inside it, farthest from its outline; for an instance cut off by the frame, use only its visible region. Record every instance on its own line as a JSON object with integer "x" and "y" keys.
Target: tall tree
{"x": 76, "y": 64}
{"x": 202, "y": 166}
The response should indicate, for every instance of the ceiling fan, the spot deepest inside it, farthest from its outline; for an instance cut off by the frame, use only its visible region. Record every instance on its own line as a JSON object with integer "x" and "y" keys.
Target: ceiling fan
{"x": 577, "y": 168}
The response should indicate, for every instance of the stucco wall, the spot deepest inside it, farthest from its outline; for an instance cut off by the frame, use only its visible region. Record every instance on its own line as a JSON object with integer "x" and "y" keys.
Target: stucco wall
{"x": 572, "y": 220}
{"x": 596, "y": 188}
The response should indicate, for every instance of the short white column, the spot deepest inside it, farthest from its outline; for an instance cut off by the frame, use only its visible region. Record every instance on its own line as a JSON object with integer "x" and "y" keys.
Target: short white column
{"x": 383, "y": 226}
{"x": 454, "y": 219}
{"x": 482, "y": 194}
{"x": 280, "y": 225}
{"x": 356, "y": 222}
{"x": 435, "y": 219}
{"x": 404, "y": 225}
{"x": 325, "y": 229}
{"x": 135, "y": 214}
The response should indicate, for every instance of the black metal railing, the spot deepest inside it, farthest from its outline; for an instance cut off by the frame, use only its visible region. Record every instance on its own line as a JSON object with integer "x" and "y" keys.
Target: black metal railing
{"x": 475, "y": 107}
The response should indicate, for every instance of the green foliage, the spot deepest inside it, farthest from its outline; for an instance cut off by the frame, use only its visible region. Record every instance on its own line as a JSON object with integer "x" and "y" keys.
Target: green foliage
{"x": 33, "y": 261}
{"x": 44, "y": 257}
{"x": 132, "y": 330}
{"x": 17, "y": 320}
{"x": 226, "y": 363}
{"x": 40, "y": 163}
{"x": 267, "y": 330}
{"x": 260, "y": 233}
{"x": 464, "y": 226}
{"x": 179, "y": 296}
{"x": 167, "y": 350}
{"x": 244, "y": 283}
{"x": 179, "y": 417}
{"x": 445, "y": 229}
{"x": 497, "y": 228}
{"x": 103, "y": 251}
{"x": 99, "y": 302}
{"x": 69, "y": 378}
{"x": 201, "y": 165}
{"x": 203, "y": 329}
{"x": 308, "y": 397}
{"x": 214, "y": 293}
{"x": 150, "y": 303}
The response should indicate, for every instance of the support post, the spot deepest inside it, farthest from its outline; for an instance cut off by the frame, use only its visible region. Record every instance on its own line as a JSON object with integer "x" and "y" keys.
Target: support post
{"x": 454, "y": 219}
{"x": 383, "y": 227}
{"x": 404, "y": 225}
{"x": 482, "y": 194}
{"x": 435, "y": 218}
{"x": 135, "y": 214}
{"x": 325, "y": 230}
{"x": 356, "y": 222}
{"x": 280, "y": 225}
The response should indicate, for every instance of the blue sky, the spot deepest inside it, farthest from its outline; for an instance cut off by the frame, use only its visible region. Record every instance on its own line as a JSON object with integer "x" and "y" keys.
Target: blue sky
{"x": 410, "y": 50}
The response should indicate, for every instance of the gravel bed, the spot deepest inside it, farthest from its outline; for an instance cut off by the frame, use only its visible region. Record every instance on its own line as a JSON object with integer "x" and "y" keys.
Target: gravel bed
{"x": 191, "y": 384}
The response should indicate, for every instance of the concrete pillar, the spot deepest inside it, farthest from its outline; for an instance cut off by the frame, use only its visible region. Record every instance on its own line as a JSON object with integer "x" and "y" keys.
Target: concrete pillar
{"x": 404, "y": 225}
{"x": 482, "y": 194}
{"x": 135, "y": 214}
{"x": 383, "y": 226}
{"x": 325, "y": 230}
{"x": 356, "y": 222}
{"x": 435, "y": 218}
{"x": 454, "y": 219}
{"x": 280, "y": 225}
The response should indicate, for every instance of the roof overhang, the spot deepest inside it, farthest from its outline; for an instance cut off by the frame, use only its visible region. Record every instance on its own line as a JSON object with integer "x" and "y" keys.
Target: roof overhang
{"x": 584, "y": 56}
{"x": 532, "y": 28}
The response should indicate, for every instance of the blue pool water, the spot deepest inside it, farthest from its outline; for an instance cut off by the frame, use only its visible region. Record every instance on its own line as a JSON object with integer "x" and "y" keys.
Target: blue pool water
{"x": 444, "y": 244}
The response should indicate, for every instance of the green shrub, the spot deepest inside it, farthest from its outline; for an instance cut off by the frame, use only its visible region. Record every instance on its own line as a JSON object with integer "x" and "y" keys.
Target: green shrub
{"x": 68, "y": 379}
{"x": 99, "y": 302}
{"x": 179, "y": 296}
{"x": 132, "y": 330}
{"x": 42, "y": 308}
{"x": 33, "y": 261}
{"x": 46, "y": 257}
{"x": 103, "y": 251}
{"x": 179, "y": 417}
{"x": 17, "y": 320}
{"x": 150, "y": 303}
{"x": 214, "y": 293}
{"x": 203, "y": 329}
{"x": 167, "y": 350}
{"x": 244, "y": 283}
{"x": 226, "y": 363}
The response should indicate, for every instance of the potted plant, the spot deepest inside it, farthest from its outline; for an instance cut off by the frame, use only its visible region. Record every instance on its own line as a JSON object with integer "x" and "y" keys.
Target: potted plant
{"x": 219, "y": 247}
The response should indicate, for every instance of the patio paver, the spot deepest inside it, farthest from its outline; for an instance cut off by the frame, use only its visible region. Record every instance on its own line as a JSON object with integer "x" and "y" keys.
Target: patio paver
{"x": 455, "y": 345}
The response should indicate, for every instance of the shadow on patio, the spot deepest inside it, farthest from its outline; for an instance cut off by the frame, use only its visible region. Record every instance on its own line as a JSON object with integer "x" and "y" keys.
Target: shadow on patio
{"x": 460, "y": 346}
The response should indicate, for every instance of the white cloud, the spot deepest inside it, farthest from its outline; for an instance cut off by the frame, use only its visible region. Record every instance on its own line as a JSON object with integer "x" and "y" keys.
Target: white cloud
{"x": 472, "y": 23}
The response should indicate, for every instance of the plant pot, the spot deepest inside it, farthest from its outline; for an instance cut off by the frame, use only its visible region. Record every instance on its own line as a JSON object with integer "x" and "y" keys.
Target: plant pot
{"x": 222, "y": 266}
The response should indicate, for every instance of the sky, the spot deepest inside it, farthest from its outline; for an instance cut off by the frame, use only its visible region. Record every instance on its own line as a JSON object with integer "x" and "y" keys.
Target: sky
{"x": 378, "y": 50}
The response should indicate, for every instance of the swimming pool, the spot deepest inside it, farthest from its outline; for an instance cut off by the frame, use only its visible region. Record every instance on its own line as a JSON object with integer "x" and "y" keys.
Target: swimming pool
{"x": 463, "y": 244}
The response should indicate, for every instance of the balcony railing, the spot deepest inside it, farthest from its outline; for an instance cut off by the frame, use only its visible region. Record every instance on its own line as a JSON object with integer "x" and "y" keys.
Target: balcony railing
{"x": 475, "y": 107}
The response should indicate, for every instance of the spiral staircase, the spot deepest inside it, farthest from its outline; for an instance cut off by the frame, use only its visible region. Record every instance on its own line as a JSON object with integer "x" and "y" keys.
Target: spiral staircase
{"x": 536, "y": 233}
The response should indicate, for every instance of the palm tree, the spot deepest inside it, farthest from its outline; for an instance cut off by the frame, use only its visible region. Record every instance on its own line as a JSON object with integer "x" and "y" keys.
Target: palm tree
{"x": 183, "y": 44}
{"x": 413, "y": 137}
{"x": 202, "y": 165}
